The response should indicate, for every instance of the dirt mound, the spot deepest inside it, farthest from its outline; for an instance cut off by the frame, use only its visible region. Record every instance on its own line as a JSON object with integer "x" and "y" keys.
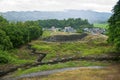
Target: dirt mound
{"x": 97, "y": 37}
{"x": 63, "y": 38}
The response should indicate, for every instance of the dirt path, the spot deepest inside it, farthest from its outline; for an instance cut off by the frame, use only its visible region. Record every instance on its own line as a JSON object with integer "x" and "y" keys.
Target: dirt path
{"x": 46, "y": 73}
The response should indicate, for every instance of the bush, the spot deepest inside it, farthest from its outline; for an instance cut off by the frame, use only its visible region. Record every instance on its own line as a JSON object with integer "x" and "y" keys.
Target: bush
{"x": 13, "y": 35}
{"x": 6, "y": 57}
{"x": 3, "y": 60}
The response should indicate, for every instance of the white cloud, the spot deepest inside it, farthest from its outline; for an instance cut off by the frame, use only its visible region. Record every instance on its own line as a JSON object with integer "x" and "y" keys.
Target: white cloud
{"x": 56, "y": 5}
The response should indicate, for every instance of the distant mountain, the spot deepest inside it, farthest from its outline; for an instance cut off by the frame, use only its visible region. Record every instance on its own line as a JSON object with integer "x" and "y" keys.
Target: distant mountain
{"x": 92, "y": 16}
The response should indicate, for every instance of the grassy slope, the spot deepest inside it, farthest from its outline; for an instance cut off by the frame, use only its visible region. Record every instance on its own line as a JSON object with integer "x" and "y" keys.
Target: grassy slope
{"x": 100, "y": 25}
{"x": 91, "y": 45}
{"x": 16, "y": 57}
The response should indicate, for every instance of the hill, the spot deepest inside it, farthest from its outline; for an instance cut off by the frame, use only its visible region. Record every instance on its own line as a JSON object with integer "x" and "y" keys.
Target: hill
{"x": 92, "y": 16}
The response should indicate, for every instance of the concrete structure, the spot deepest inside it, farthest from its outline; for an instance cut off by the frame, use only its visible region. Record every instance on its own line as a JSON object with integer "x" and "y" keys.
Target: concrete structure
{"x": 69, "y": 29}
{"x": 54, "y": 29}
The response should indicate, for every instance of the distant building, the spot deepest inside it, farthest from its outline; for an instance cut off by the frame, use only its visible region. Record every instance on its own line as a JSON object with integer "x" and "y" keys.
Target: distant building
{"x": 94, "y": 30}
{"x": 69, "y": 29}
{"x": 66, "y": 29}
{"x": 54, "y": 29}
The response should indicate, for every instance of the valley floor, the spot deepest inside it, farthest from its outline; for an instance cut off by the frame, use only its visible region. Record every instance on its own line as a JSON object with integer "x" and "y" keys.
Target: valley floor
{"x": 90, "y": 46}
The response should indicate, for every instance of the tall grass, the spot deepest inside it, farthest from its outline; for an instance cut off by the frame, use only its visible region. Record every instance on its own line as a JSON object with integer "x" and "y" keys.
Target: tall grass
{"x": 67, "y": 49}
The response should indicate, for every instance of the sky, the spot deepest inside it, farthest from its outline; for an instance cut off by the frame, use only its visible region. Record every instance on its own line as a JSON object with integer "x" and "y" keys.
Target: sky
{"x": 56, "y": 5}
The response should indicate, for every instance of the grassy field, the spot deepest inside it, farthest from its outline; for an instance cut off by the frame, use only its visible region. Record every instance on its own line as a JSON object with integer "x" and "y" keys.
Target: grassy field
{"x": 100, "y": 25}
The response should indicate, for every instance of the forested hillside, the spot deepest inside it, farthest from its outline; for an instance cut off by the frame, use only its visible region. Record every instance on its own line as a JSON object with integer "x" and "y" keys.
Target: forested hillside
{"x": 114, "y": 29}
{"x": 92, "y": 16}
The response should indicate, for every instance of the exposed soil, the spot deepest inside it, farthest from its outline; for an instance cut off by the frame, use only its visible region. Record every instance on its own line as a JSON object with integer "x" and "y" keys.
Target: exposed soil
{"x": 64, "y": 38}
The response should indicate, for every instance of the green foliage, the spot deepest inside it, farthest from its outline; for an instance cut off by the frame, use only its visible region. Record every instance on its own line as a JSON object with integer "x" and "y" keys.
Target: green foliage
{"x": 5, "y": 57}
{"x": 79, "y": 30}
{"x": 13, "y": 35}
{"x": 59, "y": 50}
{"x": 3, "y": 21}
{"x": 34, "y": 32}
{"x": 46, "y": 33}
{"x": 5, "y": 42}
{"x": 74, "y": 23}
{"x": 101, "y": 25}
{"x": 3, "y": 60}
{"x": 11, "y": 57}
{"x": 114, "y": 29}
{"x": 42, "y": 48}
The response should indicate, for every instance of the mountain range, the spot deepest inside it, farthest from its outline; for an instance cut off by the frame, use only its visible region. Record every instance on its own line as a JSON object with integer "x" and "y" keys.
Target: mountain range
{"x": 92, "y": 16}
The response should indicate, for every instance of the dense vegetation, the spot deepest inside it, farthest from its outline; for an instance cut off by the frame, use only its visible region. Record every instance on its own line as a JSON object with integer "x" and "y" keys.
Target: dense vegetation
{"x": 15, "y": 34}
{"x": 114, "y": 29}
{"x": 91, "y": 45}
{"x": 95, "y": 47}
{"x": 75, "y": 23}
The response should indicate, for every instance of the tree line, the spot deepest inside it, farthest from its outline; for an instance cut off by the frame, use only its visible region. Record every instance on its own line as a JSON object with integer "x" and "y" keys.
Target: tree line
{"x": 74, "y": 23}
{"x": 114, "y": 27}
{"x": 15, "y": 34}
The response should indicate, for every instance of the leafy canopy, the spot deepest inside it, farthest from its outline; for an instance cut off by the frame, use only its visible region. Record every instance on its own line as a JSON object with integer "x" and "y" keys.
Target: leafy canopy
{"x": 114, "y": 29}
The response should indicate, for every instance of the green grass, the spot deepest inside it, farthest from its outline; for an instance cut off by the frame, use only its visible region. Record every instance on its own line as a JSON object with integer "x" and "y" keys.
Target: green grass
{"x": 100, "y": 25}
{"x": 46, "y": 33}
{"x": 78, "y": 48}
{"x": 13, "y": 59}
{"x": 58, "y": 66}
{"x": 5, "y": 57}
{"x": 91, "y": 45}
{"x": 17, "y": 56}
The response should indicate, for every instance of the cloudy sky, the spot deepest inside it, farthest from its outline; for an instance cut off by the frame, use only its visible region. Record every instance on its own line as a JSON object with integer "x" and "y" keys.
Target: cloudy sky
{"x": 56, "y": 5}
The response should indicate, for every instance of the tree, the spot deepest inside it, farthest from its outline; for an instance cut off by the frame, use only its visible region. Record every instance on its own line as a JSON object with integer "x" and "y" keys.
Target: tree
{"x": 73, "y": 22}
{"x": 3, "y": 21}
{"x": 5, "y": 42}
{"x": 114, "y": 27}
{"x": 15, "y": 34}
